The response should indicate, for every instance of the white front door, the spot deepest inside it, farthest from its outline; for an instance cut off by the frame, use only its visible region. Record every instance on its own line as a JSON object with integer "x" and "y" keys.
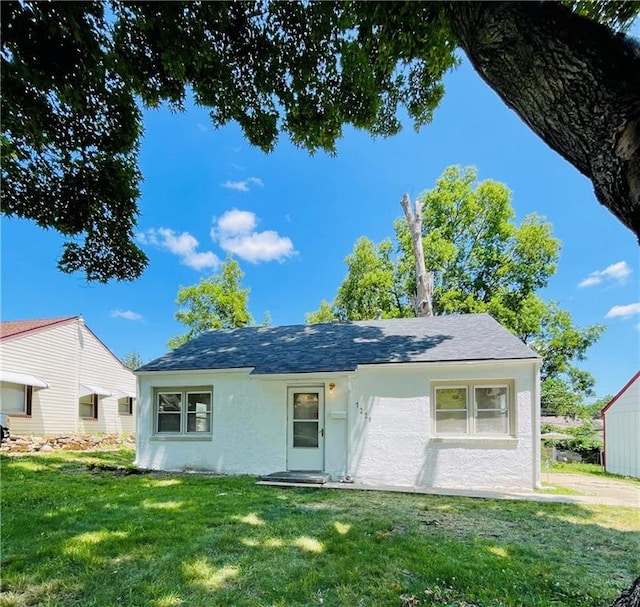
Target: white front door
{"x": 305, "y": 428}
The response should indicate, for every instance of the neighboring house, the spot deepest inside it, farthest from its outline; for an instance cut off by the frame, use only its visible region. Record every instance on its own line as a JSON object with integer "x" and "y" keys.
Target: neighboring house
{"x": 449, "y": 402}
{"x": 622, "y": 430}
{"x": 57, "y": 377}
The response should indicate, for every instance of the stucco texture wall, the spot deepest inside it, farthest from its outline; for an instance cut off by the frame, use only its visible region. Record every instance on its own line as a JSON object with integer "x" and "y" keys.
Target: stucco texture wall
{"x": 378, "y": 427}
{"x": 393, "y": 441}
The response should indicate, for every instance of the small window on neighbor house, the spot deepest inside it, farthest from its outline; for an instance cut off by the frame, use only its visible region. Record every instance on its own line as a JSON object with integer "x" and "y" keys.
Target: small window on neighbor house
{"x": 183, "y": 411}
{"x": 89, "y": 406}
{"x": 16, "y": 399}
{"x": 473, "y": 409}
{"x": 125, "y": 405}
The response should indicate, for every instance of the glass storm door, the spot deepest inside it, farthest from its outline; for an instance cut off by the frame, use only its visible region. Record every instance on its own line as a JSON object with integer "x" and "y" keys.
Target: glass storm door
{"x": 305, "y": 428}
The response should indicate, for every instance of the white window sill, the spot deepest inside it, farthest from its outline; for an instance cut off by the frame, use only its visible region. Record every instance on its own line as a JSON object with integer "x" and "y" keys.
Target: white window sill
{"x": 181, "y": 437}
{"x": 493, "y": 441}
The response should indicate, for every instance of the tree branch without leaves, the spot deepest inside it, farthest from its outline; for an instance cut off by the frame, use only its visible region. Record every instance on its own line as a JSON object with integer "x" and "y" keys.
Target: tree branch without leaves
{"x": 424, "y": 279}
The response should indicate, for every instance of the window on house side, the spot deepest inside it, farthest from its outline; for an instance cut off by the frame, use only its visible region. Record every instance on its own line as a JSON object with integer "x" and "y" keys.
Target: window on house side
{"x": 473, "y": 410}
{"x": 16, "y": 399}
{"x": 183, "y": 411}
{"x": 88, "y": 408}
{"x": 125, "y": 405}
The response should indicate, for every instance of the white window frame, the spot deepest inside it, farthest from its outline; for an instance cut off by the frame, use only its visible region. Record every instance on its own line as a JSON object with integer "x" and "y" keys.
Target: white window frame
{"x": 472, "y": 409}
{"x": 184, "y": 414}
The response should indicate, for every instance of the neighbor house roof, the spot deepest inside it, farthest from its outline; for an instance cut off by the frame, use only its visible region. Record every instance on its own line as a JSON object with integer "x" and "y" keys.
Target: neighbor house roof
{"x": 336, "y": 346}
{"x": 20, "y": 328}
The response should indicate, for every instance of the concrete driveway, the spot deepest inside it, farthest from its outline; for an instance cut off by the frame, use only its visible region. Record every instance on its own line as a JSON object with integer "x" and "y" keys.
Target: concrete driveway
{"x": 595, "y": 490}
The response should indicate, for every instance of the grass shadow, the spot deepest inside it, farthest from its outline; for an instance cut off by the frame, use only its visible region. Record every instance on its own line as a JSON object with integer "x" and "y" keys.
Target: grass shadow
{"x": 75, "y": 536}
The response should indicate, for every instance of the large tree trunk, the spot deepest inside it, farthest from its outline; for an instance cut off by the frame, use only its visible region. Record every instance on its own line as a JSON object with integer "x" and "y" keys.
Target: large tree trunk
{"x": 424, "y": 279}
{"x": 572, "y": 80}
{"x": 629, "y": 597}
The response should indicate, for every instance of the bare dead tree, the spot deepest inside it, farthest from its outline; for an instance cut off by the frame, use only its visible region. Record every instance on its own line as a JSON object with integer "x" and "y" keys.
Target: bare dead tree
{"x": 424, "y": 280}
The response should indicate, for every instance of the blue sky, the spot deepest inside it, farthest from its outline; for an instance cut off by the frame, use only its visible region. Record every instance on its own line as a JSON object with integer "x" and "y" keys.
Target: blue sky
{"x": 291, "y": 219}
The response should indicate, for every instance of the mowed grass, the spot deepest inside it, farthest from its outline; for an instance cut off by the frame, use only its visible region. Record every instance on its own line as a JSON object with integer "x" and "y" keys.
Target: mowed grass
{"x": 590, "y": 469}
{"x": 74, "y": 533}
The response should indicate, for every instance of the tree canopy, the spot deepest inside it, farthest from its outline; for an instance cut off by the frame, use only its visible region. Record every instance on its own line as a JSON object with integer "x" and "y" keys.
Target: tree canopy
{"x": 133, "y": 360}
{"x": 74, "y": 76}
{"x": 218, "y": 302}
{"x": 482, "y": 261}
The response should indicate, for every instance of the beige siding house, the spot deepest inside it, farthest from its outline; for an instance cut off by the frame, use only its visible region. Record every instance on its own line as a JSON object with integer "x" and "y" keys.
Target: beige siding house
{"x": 622, "y": 430}
{"x": 57, "y": 377}
{"x": 442, "y": 402}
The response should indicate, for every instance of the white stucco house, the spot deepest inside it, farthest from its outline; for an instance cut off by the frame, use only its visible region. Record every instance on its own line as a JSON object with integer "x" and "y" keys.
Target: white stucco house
{"x": 57, "y": 377}
{"x": 621, "y": 418}
{"x": 450, "y": 402}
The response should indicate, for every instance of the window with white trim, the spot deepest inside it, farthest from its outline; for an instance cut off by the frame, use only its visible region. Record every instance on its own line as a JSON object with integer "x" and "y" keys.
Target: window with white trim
{"x": 183, "y": 411}
{"x": 474, "y": 409}
{"x": 16, "y": 399}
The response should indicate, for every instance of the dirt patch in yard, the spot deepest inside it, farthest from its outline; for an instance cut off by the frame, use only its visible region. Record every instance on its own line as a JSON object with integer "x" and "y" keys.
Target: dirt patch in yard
{"x": 600, "y": 490}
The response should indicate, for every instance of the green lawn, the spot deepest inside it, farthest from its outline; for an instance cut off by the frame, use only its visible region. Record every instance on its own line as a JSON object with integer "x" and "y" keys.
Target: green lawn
{"x": 590, "y": 469}
{"x": 75, "y": 533}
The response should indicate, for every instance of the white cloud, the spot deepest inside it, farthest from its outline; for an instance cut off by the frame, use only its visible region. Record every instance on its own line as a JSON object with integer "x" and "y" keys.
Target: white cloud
{"x": 183, "y": 245}
{"x": 237, "y": 222}
{"x": 259, "y": 246}
{"x": 624, "y": 311}
{"x": 590, "y": 280}
{"x": 243, "y": 186}
{"x": 235, "y": 232}
{"x": 201, "y": 127}
{"x": 616, "y": 271}
{"x": 126, "y": 314}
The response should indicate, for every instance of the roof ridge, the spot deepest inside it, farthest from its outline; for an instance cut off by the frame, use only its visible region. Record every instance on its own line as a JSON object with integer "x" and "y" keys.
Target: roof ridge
{"x": 32, "y": 325}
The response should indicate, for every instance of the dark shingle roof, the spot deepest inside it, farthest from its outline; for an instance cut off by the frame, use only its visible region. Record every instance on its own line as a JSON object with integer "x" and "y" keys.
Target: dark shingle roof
{"x": 343, "y": 346}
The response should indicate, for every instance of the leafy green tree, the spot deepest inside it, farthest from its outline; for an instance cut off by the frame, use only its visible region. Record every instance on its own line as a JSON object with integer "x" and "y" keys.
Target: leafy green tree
{"x": 594, "y": 409}
{"x": 370, "y": 288}
{"x": 562, "y": 345}
{"x": 133, "y": 360}
{"x": 482, "y": 261}
{"x": 218, "y": 302}
{"x": 71, "y": 126}
{"x": 325, "y": 313}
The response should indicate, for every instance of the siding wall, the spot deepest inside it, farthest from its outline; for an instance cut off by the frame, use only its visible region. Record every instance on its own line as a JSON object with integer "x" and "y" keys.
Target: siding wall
{"x": 383, "y": 413}
{"x": 51, "y": 356}
{"x": 98, "y": 366}
{"x": 64, "y": 356}
{"x": 622, "y": 433}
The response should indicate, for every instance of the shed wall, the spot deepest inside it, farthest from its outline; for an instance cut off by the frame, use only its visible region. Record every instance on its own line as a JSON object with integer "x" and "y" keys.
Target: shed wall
{"x": 622, "y": 433}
